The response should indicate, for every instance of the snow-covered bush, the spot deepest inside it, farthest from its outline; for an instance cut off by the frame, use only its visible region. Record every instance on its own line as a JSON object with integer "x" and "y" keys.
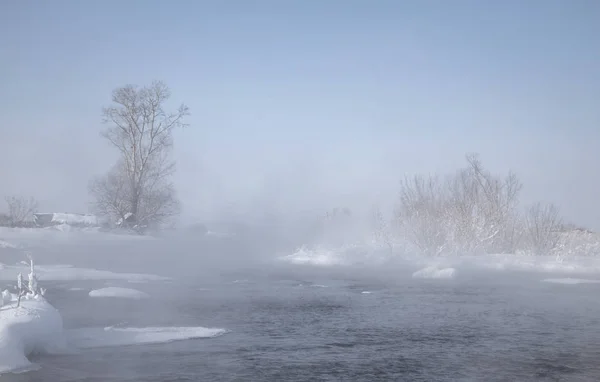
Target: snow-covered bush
{"x": 32, "y": 289}
{"x": 578, "y": 242}
{"x": 472, "y": 212}
{"x": 20, "y": 211}
{"x": 542, "y": 228}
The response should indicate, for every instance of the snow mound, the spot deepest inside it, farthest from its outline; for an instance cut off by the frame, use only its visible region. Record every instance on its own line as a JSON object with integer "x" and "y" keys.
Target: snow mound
{"x": 74, "y": 219}
{"x": 69, "y": 273}
{"x": 86, "y": 338}
{"x": 571, "y": 281}
{"x": 119, "y": 293}
{"x": 35, "y": 327}
{"x": 6, "y": 244}
{"x": 434, "y": 272}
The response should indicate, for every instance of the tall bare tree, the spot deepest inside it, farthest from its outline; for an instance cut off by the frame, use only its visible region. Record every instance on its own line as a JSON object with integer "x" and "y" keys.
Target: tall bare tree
{"x": 140, "y": 128}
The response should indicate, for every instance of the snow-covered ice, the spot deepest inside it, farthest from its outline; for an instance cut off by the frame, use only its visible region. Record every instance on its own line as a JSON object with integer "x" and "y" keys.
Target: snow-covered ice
{"x": 434, "y": 272}
{"x": 571, "y": 281}
{"x": 69, "y": 273}
{"x": 319, "y": 256}
{"x": 107, "y": 337}
{"x": 117, "y": 292}
{"x": 63, "y": 233}
{"x": 34, "y": 327}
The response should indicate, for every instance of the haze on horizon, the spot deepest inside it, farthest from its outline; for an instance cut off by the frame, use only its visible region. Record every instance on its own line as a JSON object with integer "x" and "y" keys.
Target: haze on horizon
{"x": 308, "y": 105}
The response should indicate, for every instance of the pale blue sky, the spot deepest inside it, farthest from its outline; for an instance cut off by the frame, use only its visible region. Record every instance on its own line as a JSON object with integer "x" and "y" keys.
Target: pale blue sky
{"x": 315, "y": 102}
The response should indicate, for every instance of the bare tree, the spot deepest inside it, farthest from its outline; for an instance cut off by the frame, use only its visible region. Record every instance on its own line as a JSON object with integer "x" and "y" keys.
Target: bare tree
{"x": 142, "y": 131}
{"x": 542, "y": 223}
{"x": 21, "y": 210}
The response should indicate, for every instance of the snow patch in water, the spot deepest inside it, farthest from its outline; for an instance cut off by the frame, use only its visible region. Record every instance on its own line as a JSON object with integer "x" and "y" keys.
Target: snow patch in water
{"x": 117, "y": 292}
{"x": 434, "y": 272}
{"x": 6, "y": 244}
{"x": 318, "y": 256}
{"x": 87, "y": 338}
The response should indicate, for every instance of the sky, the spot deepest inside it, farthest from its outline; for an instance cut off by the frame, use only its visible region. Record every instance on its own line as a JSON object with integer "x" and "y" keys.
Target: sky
{"x": 308, "y": 105}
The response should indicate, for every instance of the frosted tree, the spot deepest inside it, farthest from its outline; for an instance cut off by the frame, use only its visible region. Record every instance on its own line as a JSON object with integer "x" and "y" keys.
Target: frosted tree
{"x": 21, "y": 210}
{"x": 141, "y": 129}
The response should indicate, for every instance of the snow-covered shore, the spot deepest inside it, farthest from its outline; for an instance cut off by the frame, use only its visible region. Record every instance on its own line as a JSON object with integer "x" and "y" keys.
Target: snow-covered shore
{"x": 33, "y": 327}
{"x": 36, "y": 326}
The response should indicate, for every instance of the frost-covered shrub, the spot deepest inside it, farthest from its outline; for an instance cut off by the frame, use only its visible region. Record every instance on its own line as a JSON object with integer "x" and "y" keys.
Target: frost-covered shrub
{"x": 32, "y": 289}
{"x": 577, "y": 242}
{"x": 542, "y": 229}
{"x": 20, "y": 211}
{"x": 471, "y": 211}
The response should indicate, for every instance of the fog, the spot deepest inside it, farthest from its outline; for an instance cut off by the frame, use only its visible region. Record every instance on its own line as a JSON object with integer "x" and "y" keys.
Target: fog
{"x": 300, "y": 109}
{"x": 305, "y": 107}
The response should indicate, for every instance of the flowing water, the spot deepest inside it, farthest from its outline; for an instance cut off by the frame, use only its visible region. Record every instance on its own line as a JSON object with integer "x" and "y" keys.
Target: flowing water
{"x": 285, "y": 329}
{"x": 297, "y": 324}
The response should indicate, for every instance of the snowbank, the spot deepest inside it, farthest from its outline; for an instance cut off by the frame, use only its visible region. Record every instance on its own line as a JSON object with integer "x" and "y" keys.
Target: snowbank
{"x": 119, "y": 293}
{"x": 69, "y": 273}
{"x": 434, "y": 272}
{"x": 541, "y": 264}
{"x": 65, "y": 218}
{"x": 34, "y": 327}
{"x": 443, "y": 266}
{"x": 86, "y": 338}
